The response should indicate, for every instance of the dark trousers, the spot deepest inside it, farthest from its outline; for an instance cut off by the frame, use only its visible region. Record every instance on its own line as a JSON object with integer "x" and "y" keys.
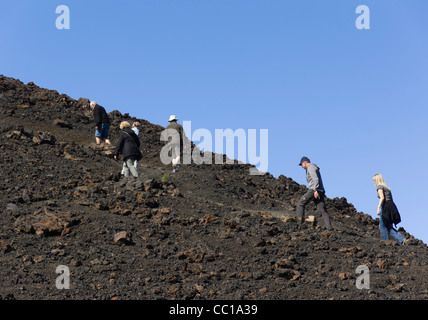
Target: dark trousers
{"x": 320, "y": 204}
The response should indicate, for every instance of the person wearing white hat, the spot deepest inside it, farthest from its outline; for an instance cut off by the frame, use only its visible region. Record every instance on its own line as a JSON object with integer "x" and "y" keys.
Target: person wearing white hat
{"x": 173, "y": 118}
{"x": 175, "y": 141}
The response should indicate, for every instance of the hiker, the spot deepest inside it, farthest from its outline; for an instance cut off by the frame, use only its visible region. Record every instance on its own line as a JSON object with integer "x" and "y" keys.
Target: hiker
{"x": 136, "y": 128}
{"x": 315, "y": 193}
{"x": 129, "y": 146}
{"x": 387, "y": 211}
{"x": 176, "y": 141}
{"x": 102, "y": 123}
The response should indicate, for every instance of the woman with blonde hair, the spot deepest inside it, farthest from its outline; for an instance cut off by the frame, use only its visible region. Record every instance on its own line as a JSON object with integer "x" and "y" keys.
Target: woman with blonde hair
{"x": 387, "y": 210}
{"x": 129, "y": 147}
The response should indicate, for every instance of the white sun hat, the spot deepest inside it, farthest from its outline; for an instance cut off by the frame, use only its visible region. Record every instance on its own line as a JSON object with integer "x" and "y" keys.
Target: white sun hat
{"x": 172, "y": 118}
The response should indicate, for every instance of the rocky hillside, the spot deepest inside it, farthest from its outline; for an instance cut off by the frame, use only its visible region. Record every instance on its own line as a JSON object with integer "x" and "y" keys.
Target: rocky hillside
{"x": 206, "y": 232}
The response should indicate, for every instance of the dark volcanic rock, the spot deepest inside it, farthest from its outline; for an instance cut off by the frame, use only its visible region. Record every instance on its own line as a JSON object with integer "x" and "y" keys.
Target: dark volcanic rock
{"x": 206, "y": 232}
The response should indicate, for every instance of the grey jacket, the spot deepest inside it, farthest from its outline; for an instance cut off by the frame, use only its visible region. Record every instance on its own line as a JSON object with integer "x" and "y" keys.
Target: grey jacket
{"x": 313, "y": 177}
{"x": 174, "y": 138}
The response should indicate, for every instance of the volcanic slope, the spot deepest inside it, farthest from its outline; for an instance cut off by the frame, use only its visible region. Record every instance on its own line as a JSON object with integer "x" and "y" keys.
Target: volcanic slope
{"x": 206, "y": 232}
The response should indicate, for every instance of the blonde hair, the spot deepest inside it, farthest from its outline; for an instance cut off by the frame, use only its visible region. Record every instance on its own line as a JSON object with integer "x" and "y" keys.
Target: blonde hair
{"x": 136, "y": 124}
{"x": 378, "y": 180}
{"x": 124, "y": 124}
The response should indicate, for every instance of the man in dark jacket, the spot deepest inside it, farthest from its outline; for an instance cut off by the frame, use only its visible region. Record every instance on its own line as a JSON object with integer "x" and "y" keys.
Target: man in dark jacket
{"x": 129, "y": 147}
{"x": 102, "y": 123}
{"x": 315, "y": 193}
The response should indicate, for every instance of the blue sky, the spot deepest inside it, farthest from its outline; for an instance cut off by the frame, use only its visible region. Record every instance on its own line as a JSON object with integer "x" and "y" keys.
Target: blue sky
{"x": 354, "y": 101}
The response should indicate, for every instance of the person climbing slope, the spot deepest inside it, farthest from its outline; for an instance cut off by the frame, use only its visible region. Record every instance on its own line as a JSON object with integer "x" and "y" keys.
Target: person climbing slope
{"x": 387, "y": 211}
{"x": 315, "y": 193}
{"x": 136, "y": 128}
{"x": 102, "y": 123}
{"x": 176, "y": 142}
{"x": 129, "y": 146}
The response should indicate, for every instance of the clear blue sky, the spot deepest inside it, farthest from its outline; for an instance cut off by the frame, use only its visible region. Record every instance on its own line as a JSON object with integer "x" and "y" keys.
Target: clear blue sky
{"x": 354, "y": 101}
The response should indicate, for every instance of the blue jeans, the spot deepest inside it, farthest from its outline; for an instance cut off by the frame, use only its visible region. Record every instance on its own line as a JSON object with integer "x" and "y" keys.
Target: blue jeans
{"x": 384, "y": 232}
{"x": 103, "y": 131}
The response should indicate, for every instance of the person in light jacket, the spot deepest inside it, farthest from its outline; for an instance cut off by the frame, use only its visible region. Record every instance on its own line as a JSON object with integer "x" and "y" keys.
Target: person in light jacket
{"x": 136, "y": 128}
{"x": 315, "y": 193}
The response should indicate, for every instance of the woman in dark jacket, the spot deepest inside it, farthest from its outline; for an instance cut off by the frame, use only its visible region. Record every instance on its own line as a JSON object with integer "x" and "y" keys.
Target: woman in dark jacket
{"x": 129, "y": 146}
{"x": 387, "y": 211}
